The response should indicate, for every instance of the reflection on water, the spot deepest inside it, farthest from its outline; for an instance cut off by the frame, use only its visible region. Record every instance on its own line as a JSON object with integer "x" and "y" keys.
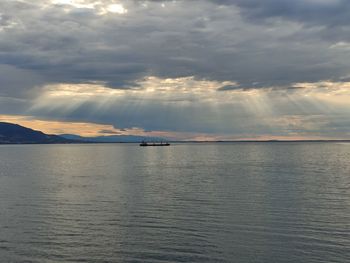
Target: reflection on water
{"x": 239, "y": 202}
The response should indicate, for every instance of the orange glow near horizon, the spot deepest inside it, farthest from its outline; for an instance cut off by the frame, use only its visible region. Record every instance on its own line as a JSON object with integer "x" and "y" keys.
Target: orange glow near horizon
{"x": 93, "y": 129}
{"x": 60, "y": 127}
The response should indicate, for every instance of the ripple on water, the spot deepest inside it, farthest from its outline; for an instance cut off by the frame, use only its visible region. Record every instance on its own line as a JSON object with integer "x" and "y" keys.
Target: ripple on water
{"x": 189, "y": 203}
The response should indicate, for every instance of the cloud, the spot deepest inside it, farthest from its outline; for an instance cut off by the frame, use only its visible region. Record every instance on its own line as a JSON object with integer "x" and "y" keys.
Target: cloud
{"x": 229, "y": 87}
{"x": 187, "y": 105}
{"x": 313, "y": 12}
{"x": 158, "y": 65}
{"x": 72, "y": 41}
{"x": 16, "y": 81}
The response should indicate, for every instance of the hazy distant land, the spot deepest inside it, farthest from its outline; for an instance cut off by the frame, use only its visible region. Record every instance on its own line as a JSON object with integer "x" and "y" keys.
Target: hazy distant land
{"x": 16, "y": 134}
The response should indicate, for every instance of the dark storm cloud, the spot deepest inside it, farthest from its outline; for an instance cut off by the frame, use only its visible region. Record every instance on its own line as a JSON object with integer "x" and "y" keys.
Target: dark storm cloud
{"x": 317, "y": 12}
{"x": 229, "y": 87}
{"x": 257, "y": 44}
{"x": 205, "y": 39}
{"x": 13, "y": 80}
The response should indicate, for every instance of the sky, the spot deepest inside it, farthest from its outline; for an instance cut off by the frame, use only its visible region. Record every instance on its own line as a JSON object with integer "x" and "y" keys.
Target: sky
{"x": 184, "y": 69}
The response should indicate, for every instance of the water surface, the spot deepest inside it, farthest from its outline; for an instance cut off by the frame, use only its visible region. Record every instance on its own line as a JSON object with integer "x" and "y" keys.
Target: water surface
{"x": 239, "y": 202}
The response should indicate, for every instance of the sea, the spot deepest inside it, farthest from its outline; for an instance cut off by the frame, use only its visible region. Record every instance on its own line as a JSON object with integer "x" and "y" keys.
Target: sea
{"x": 270, "y": 202}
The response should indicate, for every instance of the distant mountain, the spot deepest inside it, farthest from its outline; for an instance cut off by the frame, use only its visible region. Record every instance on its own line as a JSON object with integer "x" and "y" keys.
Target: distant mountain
{"x": 112, "y": 138}
{"x": 15, "y": 134}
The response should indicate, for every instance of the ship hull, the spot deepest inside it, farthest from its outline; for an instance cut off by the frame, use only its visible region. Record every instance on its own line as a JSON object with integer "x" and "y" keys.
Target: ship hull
{"x": 154, "y": 144}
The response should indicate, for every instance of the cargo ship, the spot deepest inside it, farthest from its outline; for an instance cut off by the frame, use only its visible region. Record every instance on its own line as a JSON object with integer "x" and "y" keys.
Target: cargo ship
{"x": 154, "y": 144}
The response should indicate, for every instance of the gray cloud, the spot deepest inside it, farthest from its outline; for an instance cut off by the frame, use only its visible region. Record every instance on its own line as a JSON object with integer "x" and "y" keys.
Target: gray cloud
{"x": 315, "y": 12}
{"x": 198, "y": 38}
{"x": 13, "y": 81}
{"x": 257, "y": 44}
{"x": 229, "y": 87}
